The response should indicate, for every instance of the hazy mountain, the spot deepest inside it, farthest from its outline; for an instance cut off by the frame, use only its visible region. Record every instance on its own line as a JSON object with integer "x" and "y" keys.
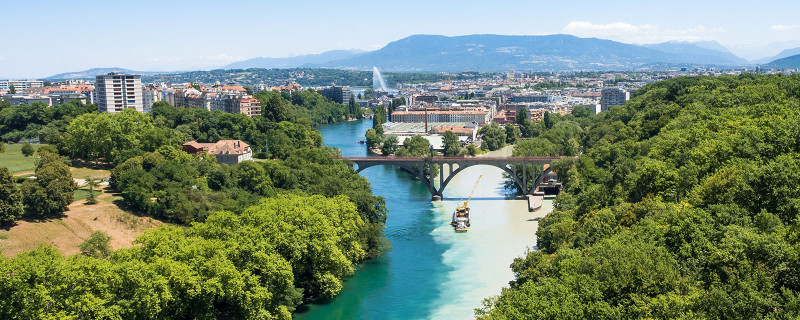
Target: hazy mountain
{"x": 91, "y": 73}
{"x": 762, "y": 53}
{"x": 790, "y": 62}
{"x": 294, "y": 62}
{"x": 783, "y": 54}
{"x": 500, "y": 53}
{"x": 702, "y": 52}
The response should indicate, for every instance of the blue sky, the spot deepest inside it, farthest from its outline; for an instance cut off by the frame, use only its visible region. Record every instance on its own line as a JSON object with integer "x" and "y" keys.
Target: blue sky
{"x": 43, "y": 38}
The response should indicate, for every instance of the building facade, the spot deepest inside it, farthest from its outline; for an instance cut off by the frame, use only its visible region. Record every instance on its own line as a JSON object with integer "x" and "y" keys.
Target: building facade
{"x": 149, "y": 98}
{"x": 476, "y": 116}
{"x": 49, "y": 99}
{"x": 611, "y": 97}
{"x": 336, "y": 94}
{"x": 117, "y": 91}
{"x": 19, "y": 85}
{"x": 226, "y": 151}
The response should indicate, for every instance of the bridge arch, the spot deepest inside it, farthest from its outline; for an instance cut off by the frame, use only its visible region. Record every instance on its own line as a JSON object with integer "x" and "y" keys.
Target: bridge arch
{"x": 528, "y": 183}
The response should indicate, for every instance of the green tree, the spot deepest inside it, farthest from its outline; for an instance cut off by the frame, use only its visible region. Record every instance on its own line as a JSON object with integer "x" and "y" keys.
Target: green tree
{"x": 452, "y": 146}
{"x": 27, "y": 149}
{"x": 97, "y": 245}
{"x": 472, "y": 150}
{"x": 548, "y": 120}
{"x": 10, "y": 197}
{"x": 512, "y": 134}
{"x": 523, "y": 117}
{"x": 273, "y": 107}
{"x": 524, "y": 122}
{"x": 390, "y": 144}
{"x": 373, "y": 139}
{"x": 51, "y": 192}
{"x": 2, "y": 147}
{"x": 92, "y": 184}
{"x": 12, "y": 89}
{"x": 47, "y": 148}
{"x": 353, "y": 108}
{"x": 251, "y": 176}
{"x": 493, "y": 136}
{"x": 379, "y": 118}
{"x": 582, "y": 111}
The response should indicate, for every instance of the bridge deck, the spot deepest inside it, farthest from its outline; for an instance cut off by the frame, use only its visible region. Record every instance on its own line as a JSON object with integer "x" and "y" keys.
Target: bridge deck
{"x": 453, "y": 159}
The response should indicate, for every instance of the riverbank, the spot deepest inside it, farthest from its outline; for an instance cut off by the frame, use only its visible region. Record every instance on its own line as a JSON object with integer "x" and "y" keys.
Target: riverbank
{"x": 501, "y": 230}
{"x": 431, "y": 272}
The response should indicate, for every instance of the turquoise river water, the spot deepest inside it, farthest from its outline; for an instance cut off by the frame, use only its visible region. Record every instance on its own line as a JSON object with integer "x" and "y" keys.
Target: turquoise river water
{"x": 431, "y": 272}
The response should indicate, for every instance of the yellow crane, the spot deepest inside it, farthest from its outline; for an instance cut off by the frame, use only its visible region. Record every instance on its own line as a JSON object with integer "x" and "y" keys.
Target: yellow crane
{"x": 463, "y": 206}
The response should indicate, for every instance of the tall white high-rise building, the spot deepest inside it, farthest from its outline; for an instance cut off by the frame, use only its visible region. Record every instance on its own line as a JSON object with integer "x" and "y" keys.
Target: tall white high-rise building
{"x": 117, "y": 91}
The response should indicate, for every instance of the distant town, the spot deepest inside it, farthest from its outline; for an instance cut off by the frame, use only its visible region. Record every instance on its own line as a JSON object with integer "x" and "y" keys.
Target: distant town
{"x": 427, "y": 108}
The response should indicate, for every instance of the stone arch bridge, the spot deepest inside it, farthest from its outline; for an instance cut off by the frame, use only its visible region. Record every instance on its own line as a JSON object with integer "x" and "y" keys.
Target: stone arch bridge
{"x": 449, "y": 167}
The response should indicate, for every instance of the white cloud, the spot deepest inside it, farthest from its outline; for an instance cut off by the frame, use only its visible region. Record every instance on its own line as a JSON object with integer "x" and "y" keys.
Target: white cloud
{"x": 645, "y": 33}
{"x": 779, "y": 27}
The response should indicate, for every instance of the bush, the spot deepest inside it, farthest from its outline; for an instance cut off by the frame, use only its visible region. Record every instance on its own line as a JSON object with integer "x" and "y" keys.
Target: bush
{"x": 97, "y": 245}
{"x": 27, "y": 149}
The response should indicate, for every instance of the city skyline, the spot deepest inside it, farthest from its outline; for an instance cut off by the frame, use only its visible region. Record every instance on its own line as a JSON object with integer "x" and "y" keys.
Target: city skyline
{"x": 156, "y": 36}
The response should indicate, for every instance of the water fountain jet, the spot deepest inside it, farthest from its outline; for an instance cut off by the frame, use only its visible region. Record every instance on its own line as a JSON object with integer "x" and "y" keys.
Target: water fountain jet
{"x": 377, "y": 80}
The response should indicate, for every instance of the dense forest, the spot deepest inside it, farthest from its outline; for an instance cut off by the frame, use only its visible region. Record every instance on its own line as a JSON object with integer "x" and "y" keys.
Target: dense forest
{"x": 252, "y": 240}
{"x": 682, "y": 204}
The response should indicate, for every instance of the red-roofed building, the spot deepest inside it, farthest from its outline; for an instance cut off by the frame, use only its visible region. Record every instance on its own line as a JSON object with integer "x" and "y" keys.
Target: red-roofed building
{"x": 226, "y": 151}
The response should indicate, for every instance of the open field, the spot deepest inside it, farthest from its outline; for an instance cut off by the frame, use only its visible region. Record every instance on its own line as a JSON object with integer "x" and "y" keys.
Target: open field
{"x": 15, "y": 161}
{"x": 67, "y": 232}
{"x": 82, "y": 173}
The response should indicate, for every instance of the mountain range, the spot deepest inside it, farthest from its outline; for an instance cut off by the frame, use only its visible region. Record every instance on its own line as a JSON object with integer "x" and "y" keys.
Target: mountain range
{"x": 91, "y": 73}
{"x": 500, "y": 52}
{"x": 294, "y": 62}
{"x": 488, "y": 52}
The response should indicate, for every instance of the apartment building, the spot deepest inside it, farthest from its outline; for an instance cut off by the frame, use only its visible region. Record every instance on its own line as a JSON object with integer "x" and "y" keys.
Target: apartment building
{"x": 149, "y": 98}
{"x": 49, "y": 99}
{"x": 117, "y": 91}
{"x": 336, "y": 94}
{"x": 477, "y": 116}
{"x": 19, "y": 85}
{"x": 610, "y": 97}
{"x": 230, "y": 101}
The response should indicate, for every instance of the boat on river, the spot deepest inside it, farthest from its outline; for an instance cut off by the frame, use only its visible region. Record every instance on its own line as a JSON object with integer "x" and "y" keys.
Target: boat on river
{"x": 460, "y": 220}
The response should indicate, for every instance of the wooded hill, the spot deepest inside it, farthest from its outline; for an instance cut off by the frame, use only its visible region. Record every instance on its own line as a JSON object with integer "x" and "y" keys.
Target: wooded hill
{"x": 683, "y": 204}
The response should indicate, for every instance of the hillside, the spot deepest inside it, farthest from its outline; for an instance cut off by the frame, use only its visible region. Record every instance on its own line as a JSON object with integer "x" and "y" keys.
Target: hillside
{"x": 790, "y": 62}
{"x": 501, "y": 53}
{"x": 683, "y": 204}
{"x": 707, "y": 52}
{"x": 783, "y": 54}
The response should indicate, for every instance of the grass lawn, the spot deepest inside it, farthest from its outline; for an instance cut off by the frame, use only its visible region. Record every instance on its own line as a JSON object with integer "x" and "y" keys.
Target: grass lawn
{"x": 81, "y": 194}
{"x": 82, "y": 173}
{"x": 15, "y": 161}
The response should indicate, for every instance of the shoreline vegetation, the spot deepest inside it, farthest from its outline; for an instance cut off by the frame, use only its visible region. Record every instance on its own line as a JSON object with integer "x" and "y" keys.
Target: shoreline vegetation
{"x": 682, "y": 203}
{"x": 252, "y": 240}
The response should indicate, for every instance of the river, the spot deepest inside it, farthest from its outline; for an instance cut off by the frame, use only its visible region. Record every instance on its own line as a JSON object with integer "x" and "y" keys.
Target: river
{"x": 431, "y": 272}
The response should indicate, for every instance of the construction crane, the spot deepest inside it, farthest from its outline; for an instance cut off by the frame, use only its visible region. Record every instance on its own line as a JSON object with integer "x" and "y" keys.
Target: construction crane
{"x": 166, "y": 83}
{"x": 464, "y": 205}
